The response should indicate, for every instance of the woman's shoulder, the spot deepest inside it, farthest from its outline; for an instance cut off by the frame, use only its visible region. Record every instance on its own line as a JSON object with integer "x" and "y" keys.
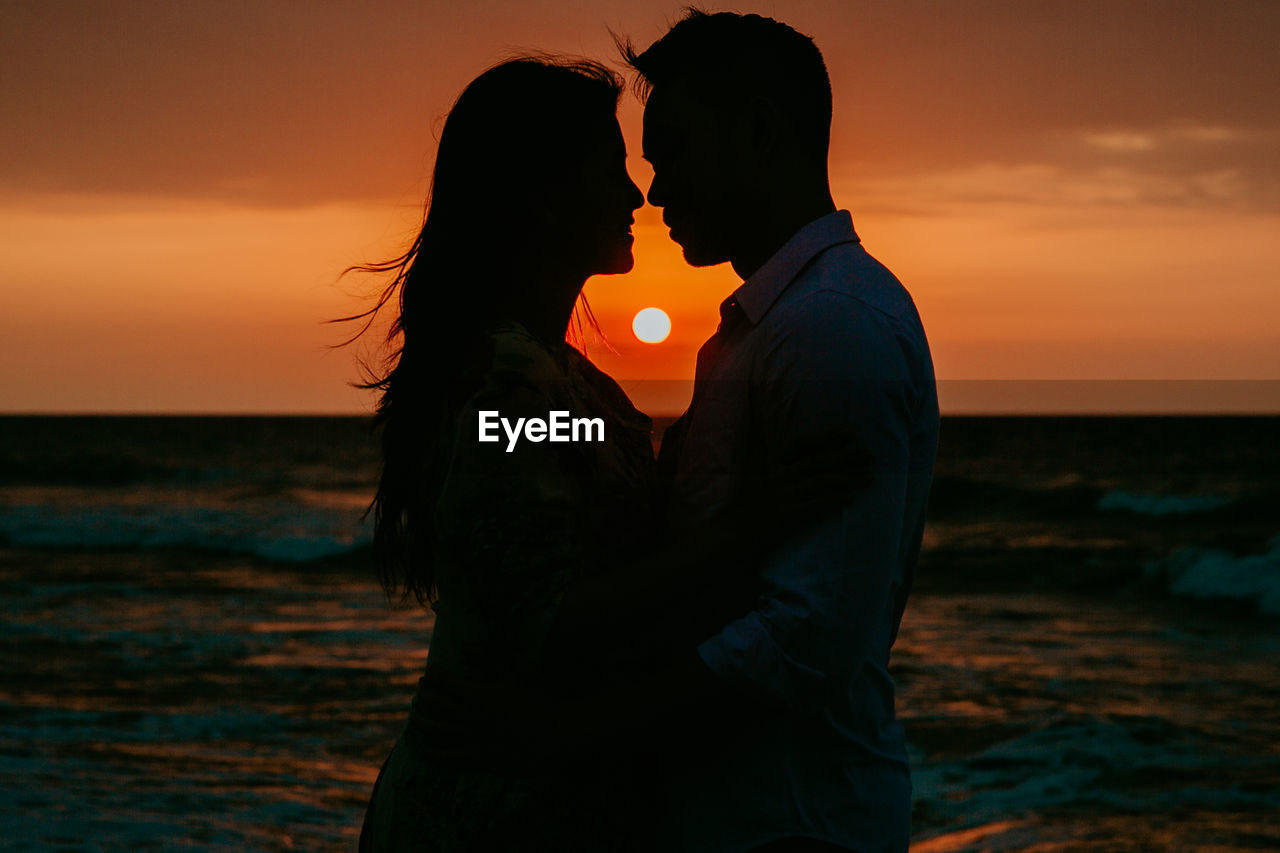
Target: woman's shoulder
{"x": 510, "y": 346}
{"x": 514, "y": 361}
{"x": 507, "y": 359}
{"x": 606, "y": 389}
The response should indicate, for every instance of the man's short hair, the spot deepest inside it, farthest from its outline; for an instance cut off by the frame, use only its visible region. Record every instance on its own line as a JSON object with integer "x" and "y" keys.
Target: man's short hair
{"x": 729, "y": 58}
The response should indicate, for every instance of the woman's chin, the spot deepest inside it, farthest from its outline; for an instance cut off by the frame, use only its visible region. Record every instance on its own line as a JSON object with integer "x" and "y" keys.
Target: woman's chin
{"x": 619, "y": 265}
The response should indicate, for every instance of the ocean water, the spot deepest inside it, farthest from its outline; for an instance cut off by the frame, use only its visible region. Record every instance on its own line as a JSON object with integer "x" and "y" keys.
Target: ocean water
{"x": 197, "y": 656}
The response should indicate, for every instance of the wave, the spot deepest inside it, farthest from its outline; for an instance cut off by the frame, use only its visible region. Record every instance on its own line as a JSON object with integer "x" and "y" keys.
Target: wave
{"x": 99, "y": 472}
{"x": 1161, "y": 505}
{"x": 959, "y": 496}
{"x": 283, "y": 534}
{"x": 1069, "y": 760}
{"x": 1210, "y": 573}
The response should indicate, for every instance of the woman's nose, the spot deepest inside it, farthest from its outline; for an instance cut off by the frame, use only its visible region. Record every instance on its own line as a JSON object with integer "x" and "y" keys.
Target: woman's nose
{"x": 654, "y": 195}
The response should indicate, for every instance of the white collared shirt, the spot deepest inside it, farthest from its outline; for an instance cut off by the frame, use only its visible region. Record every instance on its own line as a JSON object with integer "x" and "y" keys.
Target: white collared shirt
{"x": 823, "y": 338}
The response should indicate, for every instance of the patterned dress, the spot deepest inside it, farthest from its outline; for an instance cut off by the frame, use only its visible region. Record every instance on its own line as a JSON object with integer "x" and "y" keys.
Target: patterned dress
{"x": 513, "y": 529}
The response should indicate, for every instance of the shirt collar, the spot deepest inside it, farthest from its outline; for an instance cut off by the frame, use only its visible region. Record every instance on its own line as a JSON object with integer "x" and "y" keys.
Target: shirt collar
{"x": 755, "y": 296}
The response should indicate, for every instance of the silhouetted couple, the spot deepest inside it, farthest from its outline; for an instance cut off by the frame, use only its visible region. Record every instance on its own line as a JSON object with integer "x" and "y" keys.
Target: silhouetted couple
{"x": 628, "y": 654}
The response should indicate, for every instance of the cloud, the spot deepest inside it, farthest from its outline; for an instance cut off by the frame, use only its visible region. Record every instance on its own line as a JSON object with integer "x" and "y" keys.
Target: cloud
{"x": 258, "y": 103}
{"x": 1120, "y": 141}
{"x": 1185, "y": 137}
{"x": 1185, "y": 166}
{"x": 1210, "y": 134}
{"x": 1044, "y": 187}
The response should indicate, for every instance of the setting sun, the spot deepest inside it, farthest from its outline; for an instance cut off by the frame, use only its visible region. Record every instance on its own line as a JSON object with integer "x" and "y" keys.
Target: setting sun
{"x": 652, "y": 325}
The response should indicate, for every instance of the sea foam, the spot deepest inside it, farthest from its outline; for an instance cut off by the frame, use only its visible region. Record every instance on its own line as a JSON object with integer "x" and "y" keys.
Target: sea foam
{"x": 1214, "y": 573}
{"x": 283, "y": 533}
{"x": 1159, "y": 505}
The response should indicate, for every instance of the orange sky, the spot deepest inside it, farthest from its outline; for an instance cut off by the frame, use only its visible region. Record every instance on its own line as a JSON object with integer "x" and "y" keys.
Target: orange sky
{"x": 1076, "y": 190}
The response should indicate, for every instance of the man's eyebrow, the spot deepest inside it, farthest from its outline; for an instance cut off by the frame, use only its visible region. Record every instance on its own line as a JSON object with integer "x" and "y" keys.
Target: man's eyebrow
{"x": 655, "y": 148}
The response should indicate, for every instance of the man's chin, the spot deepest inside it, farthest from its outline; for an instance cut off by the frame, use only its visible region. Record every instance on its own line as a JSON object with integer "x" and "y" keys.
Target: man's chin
{"x": 701, "y": 256}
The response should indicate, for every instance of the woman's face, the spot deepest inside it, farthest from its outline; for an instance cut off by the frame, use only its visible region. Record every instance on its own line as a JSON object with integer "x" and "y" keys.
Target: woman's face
{"x": 596, "y": 203}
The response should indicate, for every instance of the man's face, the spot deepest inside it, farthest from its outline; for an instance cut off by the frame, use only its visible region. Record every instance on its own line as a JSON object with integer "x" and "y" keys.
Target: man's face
{"x": 701, "y": 191}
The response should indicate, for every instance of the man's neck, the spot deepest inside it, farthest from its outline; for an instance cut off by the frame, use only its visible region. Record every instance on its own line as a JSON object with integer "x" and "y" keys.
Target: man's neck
{"x": 774, "y": 229}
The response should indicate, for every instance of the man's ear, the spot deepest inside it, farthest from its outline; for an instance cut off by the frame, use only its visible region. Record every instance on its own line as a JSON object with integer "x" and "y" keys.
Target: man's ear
{"x": 763, "y": 127}
{"x": 542, "y": 212}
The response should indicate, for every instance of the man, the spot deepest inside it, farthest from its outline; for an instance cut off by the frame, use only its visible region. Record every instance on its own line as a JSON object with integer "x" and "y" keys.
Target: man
{"x": 819, "y": 339}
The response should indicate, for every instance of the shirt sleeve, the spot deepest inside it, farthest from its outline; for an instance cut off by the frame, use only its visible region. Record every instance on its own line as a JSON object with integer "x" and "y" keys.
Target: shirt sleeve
{"x": 836, "y": 365}
{"x": 509, "y": 514}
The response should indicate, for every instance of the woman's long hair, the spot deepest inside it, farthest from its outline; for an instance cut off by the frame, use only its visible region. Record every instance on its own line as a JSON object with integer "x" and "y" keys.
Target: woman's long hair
{"x": 512, "y": 133}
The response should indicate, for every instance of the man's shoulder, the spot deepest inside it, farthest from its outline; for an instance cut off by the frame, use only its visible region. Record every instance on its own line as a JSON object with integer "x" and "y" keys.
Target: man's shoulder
{"x": 845, "y": 285}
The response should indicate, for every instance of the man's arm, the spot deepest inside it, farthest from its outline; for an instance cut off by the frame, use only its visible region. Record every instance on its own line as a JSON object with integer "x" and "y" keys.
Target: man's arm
{"x": 837, "y": 365}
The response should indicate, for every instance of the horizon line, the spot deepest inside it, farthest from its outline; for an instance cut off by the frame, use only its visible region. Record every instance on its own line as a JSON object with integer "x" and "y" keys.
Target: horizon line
{"x": 663, "y": 398}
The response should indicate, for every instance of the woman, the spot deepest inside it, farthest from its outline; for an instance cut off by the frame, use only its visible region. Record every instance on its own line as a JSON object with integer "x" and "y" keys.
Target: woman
{"x": 527, "y": 548}
{"x": 530, "y": 196}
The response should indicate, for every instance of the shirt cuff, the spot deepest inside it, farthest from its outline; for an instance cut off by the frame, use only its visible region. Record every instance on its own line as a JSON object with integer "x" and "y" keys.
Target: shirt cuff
{"x": 746, "y": 655}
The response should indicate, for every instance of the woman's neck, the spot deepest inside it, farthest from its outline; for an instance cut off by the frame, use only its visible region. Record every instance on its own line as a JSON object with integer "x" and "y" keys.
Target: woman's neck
{"x": 544, "y": 306}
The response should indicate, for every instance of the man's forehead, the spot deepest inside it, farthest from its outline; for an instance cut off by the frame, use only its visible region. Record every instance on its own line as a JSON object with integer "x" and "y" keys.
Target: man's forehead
{"x": 670, "y": 101}
{"x": 670, "y": 108}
